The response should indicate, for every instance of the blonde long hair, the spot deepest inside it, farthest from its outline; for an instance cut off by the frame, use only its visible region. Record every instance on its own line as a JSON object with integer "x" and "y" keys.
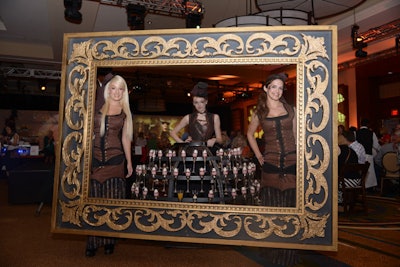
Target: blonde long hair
{"x": 119, "y": 82}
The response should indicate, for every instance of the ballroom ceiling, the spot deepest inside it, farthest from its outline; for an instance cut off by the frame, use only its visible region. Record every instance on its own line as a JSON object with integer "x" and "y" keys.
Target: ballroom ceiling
{"x": 31, "y": 36}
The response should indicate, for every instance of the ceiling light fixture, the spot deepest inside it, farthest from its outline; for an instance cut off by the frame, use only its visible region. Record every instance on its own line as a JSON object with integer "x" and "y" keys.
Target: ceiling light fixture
{"x": 193, "y": 20}
{"x": 71, "y": 12}
{"x": 136, "y": 15}
{"x": 358, "y": 42}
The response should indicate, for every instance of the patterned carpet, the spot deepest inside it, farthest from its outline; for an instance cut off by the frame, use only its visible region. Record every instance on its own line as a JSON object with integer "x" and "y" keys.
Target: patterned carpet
{"x": 381, "y": 211}
{"x": 378, "y": 231}
{"x": 372, "y": 240}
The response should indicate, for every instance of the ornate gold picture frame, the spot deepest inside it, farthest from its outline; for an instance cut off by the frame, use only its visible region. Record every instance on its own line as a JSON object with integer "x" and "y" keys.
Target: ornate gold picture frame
{"x": 312, "y": 224}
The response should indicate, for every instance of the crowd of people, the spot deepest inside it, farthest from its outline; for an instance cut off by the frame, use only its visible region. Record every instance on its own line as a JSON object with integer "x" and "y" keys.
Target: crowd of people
{"x": 365, "y": 145}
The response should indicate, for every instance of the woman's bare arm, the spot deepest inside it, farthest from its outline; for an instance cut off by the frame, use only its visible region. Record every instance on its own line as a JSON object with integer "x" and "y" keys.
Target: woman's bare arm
{"x": 252, "y": 140}
{"x": 126, "y": 144}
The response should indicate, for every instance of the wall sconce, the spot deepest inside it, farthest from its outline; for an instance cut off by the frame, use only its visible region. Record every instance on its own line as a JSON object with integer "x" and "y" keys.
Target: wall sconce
{"x": 71, "y": 12}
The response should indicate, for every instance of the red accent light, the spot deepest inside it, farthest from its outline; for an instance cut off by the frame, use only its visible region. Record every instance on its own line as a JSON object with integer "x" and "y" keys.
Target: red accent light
{"x": 394, "y": 112}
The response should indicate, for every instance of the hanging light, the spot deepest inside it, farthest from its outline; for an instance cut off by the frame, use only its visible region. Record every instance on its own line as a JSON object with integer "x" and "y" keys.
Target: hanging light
{"x": 193, "y": 20}
{"x": 136, "y": 15}
{"x": 358, "y": 42}
{"x": 71, "y": 12}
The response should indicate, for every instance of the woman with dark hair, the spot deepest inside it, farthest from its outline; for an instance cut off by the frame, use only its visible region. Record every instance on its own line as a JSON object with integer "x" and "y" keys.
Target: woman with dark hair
{"x": 11, "y": 136}
{"x": 203, "y": 126}
{"x": 111, "y": 153}
{"x": 278, "y": 180}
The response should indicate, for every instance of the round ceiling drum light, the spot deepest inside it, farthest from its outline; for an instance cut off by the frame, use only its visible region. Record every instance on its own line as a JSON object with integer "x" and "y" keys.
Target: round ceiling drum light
{"x": 248, "y": 21}
{"x": 321, "y": 9}
{"x": 295, "y": 12}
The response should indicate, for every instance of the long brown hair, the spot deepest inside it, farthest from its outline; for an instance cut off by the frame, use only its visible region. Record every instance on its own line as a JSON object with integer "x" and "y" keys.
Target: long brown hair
{"x": 262, "y": 109}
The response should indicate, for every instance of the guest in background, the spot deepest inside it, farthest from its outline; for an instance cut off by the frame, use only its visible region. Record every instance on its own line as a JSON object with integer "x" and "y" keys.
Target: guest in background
{"x": 226, "y": 141}
{"x": 240, "y": 141}
{"x": 48, "y": 147}
{"x": 11, "y": 139}
{"x": 353, "y": 129}
{"x": 341, "y": 140}
{"x": 11, "y": 136}
{"x": 393, "y": 146}
{"x": 141, "y": 142}
{"x": 369, "y": 141}
{"x": 104, "y": 75}
{"x": 164, "y": 143}
{"x": 346, "y": 155}
{"x": 111, "y": 153}
{"x": 202, "y": 125}
{"x": 384, "y": 136}
{"x": 356, "y": 146}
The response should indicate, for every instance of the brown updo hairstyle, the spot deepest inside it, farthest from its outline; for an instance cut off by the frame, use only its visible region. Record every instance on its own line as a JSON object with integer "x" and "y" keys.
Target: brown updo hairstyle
{"x": 262, "y": 108}
{"x": 200, "y": 90}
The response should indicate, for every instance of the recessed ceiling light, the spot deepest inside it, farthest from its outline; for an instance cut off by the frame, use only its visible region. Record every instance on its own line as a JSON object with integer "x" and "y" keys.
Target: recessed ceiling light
{"x": 216, "y": 78}
{"x": 223, "y": 77}
{"x": 228, "y": 76}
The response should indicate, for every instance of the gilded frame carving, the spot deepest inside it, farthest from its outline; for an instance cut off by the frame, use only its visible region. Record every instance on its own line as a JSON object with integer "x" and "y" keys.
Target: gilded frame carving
{"x": 312, "y": 224}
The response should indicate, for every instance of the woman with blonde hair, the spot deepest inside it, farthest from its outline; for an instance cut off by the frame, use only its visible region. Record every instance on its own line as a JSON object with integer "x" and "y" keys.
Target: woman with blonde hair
{"x": 111, "y": 153}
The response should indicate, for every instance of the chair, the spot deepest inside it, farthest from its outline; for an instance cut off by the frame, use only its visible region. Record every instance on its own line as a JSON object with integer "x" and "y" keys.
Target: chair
{"x": 391, "y": 168}
{"x": 356, "y": 192}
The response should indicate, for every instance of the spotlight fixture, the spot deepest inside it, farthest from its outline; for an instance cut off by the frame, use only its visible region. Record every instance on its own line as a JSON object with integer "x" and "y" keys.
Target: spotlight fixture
{"x": 361, "y": 53}
{"x": 71, "y": 12}
{"x": 193, "y": 20}
{"x": 359, "y": 46}
{"x": 358, "y": 42}
{"x": 354, "y": 34}
{"x": 136, "y": 15}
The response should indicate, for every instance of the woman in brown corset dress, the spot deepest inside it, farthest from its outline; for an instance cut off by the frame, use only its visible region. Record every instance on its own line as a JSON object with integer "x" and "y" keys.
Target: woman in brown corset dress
{"x": 111, "y": 153}
{"x": 202, "y": 126}
{"x": 278, "y": 180}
